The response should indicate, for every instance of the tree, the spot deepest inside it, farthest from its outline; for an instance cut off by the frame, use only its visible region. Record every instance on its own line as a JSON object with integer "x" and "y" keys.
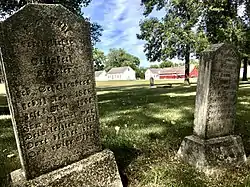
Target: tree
{"x": 154, "y": 66}
{"x": 211, "y": 22}
{"x": 99, "y": 59}
{"x": 194, "y": 62}
{"x": 174, "y": 35}
{"x": 141, "y": 73}
{"x": 246, "y": 54}
{"x": 166, "y": 64}
{"x": 119, "y": 58}
{"x": 8, "y": 7}
{"x": 222, "y": 23}
{"x": 246, "y": 43}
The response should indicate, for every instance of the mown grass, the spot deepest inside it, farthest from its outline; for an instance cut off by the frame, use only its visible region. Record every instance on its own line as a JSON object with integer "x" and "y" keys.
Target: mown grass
{"x": 127, "y": 83}
{"x": 152, "y": 123}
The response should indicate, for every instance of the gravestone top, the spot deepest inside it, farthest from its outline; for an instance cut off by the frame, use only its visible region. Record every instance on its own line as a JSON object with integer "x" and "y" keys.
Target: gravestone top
{"x": 216, "y": 96}
{"x": 47, "y": 63}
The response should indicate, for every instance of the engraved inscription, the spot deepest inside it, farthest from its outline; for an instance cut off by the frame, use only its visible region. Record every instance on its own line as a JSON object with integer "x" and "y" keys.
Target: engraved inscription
{"x": 216, "y": 92}
{"x": 51, "y": 87}
{"x": 222, "y": 95}
{"x": 46, "y": 60}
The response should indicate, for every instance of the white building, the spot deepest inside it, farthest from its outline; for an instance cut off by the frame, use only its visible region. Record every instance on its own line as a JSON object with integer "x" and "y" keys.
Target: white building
{"x": 153, "y": 72}
{"x": 248, "y": 72}
{"x": 101, "y": 75}
{"x": 121, "y": 73}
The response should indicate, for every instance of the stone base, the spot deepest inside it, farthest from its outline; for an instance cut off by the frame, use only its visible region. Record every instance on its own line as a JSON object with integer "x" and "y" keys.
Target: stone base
{"x": 152, "y": 86}
{"x": 212, "y": 153}
{"x": 97, "y": 170}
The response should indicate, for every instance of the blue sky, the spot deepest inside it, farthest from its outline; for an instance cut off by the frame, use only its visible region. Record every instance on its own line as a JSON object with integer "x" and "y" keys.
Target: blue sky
{"x": 120, "y": 21}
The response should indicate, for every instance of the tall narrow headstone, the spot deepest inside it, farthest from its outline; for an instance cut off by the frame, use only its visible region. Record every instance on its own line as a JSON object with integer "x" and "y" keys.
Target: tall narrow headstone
{"x": 213, "y": 143}
{"x": 47, "y": 62}
{"x": 151, "y": 82}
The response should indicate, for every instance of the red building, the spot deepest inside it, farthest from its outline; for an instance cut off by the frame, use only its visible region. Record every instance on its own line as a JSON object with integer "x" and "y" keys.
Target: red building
{"x": 170, "y": 73}
{"x": 177, "y": 73}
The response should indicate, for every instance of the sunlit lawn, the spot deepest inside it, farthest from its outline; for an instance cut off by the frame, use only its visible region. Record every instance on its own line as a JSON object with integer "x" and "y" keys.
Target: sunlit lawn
{"x": 152, "y": 123}
{"x": 118, "y": 83}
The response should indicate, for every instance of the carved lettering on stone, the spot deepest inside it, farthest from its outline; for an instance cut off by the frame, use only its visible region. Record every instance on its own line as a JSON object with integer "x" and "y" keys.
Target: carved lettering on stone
{"x": 47, "y": 61}
{"x": 216, "y": 92}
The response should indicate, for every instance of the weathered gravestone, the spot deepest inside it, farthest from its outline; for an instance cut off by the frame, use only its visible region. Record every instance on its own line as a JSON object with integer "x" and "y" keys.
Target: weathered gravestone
{"x": 47, "y": 62}
{"x": 151, "y": 82}
{"x": 213, "y": 143}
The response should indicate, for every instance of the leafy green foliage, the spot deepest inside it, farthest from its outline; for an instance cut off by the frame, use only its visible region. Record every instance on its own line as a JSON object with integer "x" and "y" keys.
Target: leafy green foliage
{"x": 247, "y": 10}
{"x": 154, "y": 66}
{"x": 151, "y": 4}
{"x": 190, "y": 26}
{"x": 8, "y": 7}
{"x": 174, "y": 35}
{"x": 99, "y": 59}
{"x": 166, "y": 64}
{"x": 119, "y": 58}
{"x": 140, "y": 73}
{"x": 150, "y": 135}
{"x": 222, "y": 23}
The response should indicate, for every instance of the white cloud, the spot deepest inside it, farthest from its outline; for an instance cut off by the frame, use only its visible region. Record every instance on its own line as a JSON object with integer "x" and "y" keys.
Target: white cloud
{"x": 120, "y": 21}
{"x": 241, "y": 10}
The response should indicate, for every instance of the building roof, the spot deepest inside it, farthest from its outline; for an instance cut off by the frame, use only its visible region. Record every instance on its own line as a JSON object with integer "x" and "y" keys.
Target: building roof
{"x": 98, "y": 73}
{"x": 173, "y": 70}
{"x": 155, "y": 70}
{"x": 170, "y": 70}
{"x": 118, "y": 70}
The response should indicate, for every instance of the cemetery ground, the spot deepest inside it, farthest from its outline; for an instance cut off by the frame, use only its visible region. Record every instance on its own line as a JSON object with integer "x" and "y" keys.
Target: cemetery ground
{"x": 144, "y": 128}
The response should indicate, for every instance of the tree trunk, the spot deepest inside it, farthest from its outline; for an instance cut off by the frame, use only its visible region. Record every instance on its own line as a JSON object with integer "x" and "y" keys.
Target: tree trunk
{"x": 187, "y": 60}
{"x": 244, "y": 78}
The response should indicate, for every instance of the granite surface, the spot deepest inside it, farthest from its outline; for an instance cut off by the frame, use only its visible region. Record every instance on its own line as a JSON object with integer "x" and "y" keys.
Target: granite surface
{"x": 214, "y": 152}
{"x": 47, "y": 63}
{"x": 216, "y": 95}
{"x": 213, "y": 144}
{"x": 98, "y": 170}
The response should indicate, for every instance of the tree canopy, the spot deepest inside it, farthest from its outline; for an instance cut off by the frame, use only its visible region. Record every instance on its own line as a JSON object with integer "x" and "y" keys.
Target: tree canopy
{"x": 166, "y": 64}
{"x": 99, "y": 59}
{"x": 174, "y": 35}
{"x": 119, "y": 58}
{"x": 223, "y": 23}
{"x": 8, "y": 7}
{"x": 188, "y": 27}
{"x": 154, "y": 66}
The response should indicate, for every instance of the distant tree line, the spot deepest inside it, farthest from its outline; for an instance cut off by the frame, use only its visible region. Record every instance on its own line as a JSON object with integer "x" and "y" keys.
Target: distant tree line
{"x": 168, "y": 63}
{"x": 189, "y": 26}
{"x": 117, "y": 58}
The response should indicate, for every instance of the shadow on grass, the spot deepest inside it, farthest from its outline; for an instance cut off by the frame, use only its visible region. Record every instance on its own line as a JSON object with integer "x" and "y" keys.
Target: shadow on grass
{"x": 4, "y": 109}
{"x": 141, "y": 97}
{"x": 152, "y": 123}
{"x": 243, "y": 118}
{"x": 144, "y": 128}
{"x": 100, "y": 88}
{"x": 9, "y": 159}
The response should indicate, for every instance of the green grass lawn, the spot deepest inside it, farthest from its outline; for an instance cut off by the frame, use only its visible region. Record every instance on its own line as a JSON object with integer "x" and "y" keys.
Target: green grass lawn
{"x": 136, "y": 83}
{"x": 153, "y": 123}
